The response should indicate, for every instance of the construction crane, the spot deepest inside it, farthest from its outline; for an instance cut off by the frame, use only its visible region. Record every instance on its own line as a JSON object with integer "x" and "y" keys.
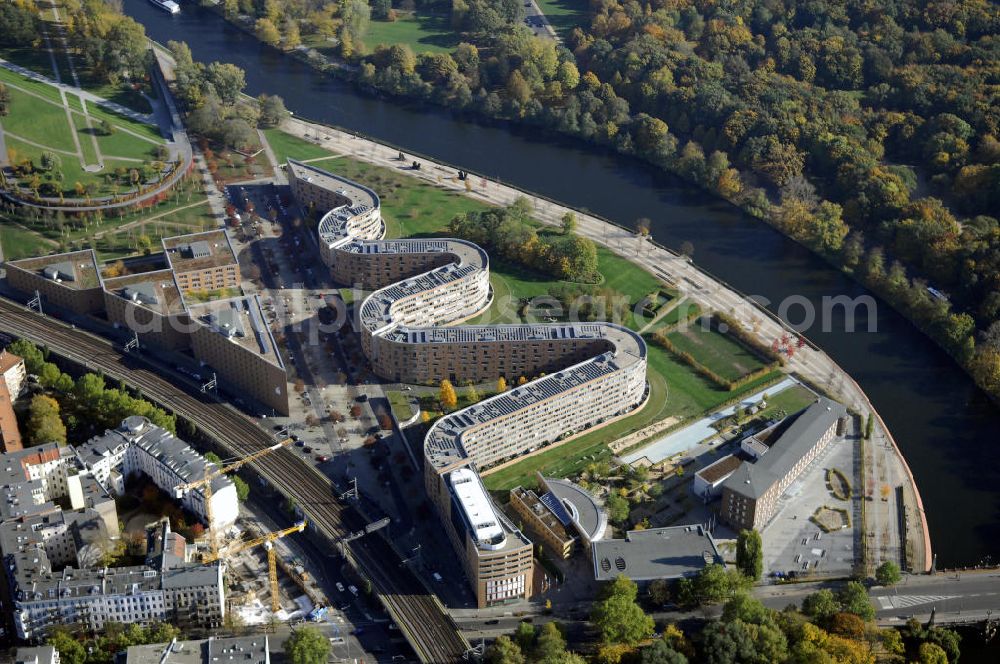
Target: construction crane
{"x": 272, "y": 567}
{"x": 206, "y": 487}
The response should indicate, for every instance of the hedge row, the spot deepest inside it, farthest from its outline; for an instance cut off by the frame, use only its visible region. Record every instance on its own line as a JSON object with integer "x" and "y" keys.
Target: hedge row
{"x": 729, "y": 385}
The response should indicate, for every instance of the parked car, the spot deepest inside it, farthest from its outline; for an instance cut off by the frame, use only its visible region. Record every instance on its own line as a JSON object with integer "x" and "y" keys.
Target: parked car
{"x": 340, "y": 587}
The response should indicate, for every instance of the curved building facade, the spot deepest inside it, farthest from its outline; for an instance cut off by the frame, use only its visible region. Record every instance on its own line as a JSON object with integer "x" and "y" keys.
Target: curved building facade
{"x": 591, "y": 373}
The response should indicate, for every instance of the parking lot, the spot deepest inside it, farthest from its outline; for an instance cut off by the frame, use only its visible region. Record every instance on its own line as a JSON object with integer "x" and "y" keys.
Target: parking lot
{"x": 792, "y": 543}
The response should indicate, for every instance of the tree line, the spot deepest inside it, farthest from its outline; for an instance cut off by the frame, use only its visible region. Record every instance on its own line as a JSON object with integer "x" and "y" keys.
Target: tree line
{"x": 849, "y": 126}
{"x": 828, "y": 627}
{"x": 79, "y": 409}
{"x": 511, "y": 234}
{"x": 212, "y": 98}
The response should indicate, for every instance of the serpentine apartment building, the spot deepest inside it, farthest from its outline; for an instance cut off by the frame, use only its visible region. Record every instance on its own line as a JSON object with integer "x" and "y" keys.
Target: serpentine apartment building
{"x": 592, "y": 373}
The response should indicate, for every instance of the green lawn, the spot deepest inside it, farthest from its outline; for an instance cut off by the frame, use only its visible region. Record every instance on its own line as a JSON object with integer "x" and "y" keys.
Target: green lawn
{"x": 421, "y": 31}
{"x": 83, "y": 133}
{"x": 38, "y": 120}
{"x": 29, "y": 57}
{"x": 564, "y": 15}
{"x": 790, "y": 400}
{"x": 400, "y": 403}
{"x": 149, "y": 132}
{"x": 285, "y": 145}
{"x": 123, "y": 144}
{"x": 43, "y": 89}
{"x": 721, "y": 353}
{"x": 122, "y": 93}
{"x": 684, "y": 309}
{"x": 20, "y": 243}
{"x": 43, "y": 122}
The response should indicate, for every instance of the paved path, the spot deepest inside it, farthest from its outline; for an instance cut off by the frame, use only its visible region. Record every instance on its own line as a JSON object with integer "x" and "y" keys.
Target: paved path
{"x": 165, "y": 116}
{"x": 538, "y": 22}
{"x": 145, "y": 118}
{"x": 812, "y": 364}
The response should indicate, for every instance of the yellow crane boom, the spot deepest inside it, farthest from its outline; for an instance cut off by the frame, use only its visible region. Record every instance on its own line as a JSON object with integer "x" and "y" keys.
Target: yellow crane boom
{"x": 206, "y": 486}
{"x": 272, "y": 567}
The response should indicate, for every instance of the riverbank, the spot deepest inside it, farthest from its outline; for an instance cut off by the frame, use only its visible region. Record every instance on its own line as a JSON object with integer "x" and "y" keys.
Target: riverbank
{"x": 909, "y": 297}
{"x": 810, "y": 363}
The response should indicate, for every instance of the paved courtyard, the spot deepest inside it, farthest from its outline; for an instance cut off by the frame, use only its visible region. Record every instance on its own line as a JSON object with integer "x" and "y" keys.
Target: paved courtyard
{"x": 792, "y": 542}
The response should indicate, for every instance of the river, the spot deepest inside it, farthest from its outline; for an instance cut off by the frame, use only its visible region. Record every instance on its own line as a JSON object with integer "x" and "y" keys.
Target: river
{"x": 942, "y": 422}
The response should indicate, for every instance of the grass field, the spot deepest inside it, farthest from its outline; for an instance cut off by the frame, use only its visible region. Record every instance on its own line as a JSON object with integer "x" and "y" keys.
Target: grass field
{"x": 421, "y": 31}
{"x": 400, "y": 403}
{"x": 20, "y": 243}
{"x": 285, "y": 145}
{"x": 38, "y": 122}
{"x": 564, "y": 15}
{"x": 31, "y": 85}
{"x": 721, "y": 353}
{"x": 791, "y": 400}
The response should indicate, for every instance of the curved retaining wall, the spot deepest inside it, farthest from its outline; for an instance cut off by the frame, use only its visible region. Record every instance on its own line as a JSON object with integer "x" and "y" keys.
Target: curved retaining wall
{"x": 587, "y": 373}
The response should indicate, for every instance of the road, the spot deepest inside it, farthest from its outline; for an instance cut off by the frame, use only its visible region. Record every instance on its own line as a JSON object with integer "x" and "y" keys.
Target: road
{"x": 970, "y": 597}
{"x": 537, "y": 22}
{"x": 419, "y": 614}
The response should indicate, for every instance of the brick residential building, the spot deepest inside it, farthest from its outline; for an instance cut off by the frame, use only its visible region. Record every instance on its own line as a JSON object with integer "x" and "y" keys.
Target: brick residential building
{"x": 186, "y": 299}
{"x": 750, "y": 493}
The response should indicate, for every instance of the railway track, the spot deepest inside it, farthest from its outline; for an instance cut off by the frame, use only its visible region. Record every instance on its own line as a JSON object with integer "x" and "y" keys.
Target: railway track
{"x": 419, "y": 615}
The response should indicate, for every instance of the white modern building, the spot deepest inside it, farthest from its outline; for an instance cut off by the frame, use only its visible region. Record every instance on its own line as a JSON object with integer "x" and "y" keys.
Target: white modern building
{"x": 140, "y": 447}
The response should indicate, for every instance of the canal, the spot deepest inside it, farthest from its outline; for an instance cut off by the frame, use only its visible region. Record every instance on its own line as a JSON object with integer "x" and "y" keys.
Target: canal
{"x": 944, "y": 425}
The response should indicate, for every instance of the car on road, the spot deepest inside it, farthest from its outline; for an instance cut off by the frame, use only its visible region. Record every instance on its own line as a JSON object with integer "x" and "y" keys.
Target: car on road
{"x": 353, "y": 589}
{"x": 495, "y": 621}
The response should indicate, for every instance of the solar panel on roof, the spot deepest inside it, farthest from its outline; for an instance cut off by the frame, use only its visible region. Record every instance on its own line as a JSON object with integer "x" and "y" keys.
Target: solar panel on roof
{"x": 557, "y": 508}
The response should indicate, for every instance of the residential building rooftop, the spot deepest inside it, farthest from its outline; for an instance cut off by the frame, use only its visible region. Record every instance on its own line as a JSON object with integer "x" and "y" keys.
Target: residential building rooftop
{"x": 199, "y": 251}
{"x": 443, "y": 444}
{"x": 241, "y": 320}
{"x": 159, "y": 443}
{"x": 153, "y": 290}
{"x": 37, "y": 655}
{"x": 252, "y": 649}
{"x": 76, "y": 269}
